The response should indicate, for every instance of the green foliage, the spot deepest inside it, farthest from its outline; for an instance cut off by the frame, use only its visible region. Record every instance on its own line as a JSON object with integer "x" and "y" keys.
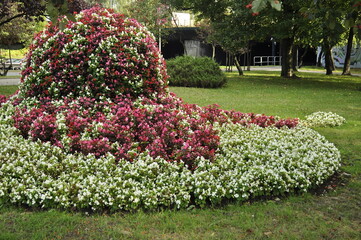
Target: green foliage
{"x": 24, "y": 8}
{"x": 201, "y": 72}
{"x": 18, "y": 31}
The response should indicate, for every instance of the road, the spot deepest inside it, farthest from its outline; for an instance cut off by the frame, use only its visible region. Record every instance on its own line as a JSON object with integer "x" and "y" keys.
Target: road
{"x": 11, "y": 80}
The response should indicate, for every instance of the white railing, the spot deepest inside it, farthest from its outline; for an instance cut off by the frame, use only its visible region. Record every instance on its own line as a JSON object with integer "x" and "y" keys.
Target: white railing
{"x": 267, "y": 60}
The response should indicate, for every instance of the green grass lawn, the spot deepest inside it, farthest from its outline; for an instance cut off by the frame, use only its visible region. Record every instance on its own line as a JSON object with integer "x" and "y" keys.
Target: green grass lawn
{"x": 329, "y": 212}
{"x": 7, "y": 77}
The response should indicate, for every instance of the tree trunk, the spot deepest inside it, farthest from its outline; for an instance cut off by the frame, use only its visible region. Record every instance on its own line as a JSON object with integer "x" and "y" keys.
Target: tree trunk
{"x": 300, "y": 64}
{"x": 249, "y": 56}
{"x": 6, "y": 69}
{"x": 328, "y": 57}
{"x": 239, "y": 67}
{"x": 295, "y": 58}
{"x": 286, "y": 52}
{"x": 227, "y": 62}
{"x": 231, "y": 63}
{"x": 347, "y": 62}
{"x": 332, "y": 62}
{"x": 319, "y": 64}
{"x": 213, "y": 51}
{"x": 249, "y": 59}
{"x": 244, "y": 61}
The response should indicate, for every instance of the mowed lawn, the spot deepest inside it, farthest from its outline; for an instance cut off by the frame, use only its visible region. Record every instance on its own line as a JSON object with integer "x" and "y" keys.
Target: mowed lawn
{"x": 332, "y": 211}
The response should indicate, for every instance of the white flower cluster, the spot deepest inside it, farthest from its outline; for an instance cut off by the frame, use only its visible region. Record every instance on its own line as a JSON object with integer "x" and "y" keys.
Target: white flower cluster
{"x": 323, "y": 119}
{"x": 251, "y": 161}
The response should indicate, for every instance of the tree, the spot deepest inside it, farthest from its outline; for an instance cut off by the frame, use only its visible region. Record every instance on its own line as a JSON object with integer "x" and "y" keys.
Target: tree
{"x": 57, "y": 8}
{"x": 38, "y": 9}
{"x": 230, "y": 25}
{"x": 24, "y": 9}
{"x": 119, "y": 5}
{"x": 289, "y": 26}
{"x": 207, "y": 33}
{"x": 328, "y": 17}
{"x": 154, "y": 14}
{"x": 237, "y": 40}
{"x": 353, "y": 21}
{"x": 15, "y": 34}
{"x": 281, "y": 21}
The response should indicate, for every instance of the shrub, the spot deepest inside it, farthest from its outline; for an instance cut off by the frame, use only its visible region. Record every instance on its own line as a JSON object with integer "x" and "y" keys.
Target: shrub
{"x": 186, "y": 71}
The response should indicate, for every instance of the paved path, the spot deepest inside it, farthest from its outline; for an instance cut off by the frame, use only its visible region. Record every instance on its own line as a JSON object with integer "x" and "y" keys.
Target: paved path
{"x": 14, "y": 73}
{"x": 9, "y": 81}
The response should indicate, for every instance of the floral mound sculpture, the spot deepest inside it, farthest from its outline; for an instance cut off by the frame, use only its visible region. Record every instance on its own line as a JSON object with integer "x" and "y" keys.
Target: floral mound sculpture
{"x": 94, "y": 126}
{"x": 100, "y": 55}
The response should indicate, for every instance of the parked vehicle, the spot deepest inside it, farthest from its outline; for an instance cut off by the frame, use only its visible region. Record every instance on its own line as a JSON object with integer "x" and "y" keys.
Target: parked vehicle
{"x": 14, "y": 63}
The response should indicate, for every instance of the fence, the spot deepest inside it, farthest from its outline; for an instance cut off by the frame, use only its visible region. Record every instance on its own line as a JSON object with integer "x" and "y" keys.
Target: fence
{"x": 267, "y": 60}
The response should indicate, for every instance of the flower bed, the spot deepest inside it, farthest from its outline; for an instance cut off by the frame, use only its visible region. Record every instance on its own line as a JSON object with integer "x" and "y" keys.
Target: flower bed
{"x": 79, "y": 135}
{"x": 251, "y": 161}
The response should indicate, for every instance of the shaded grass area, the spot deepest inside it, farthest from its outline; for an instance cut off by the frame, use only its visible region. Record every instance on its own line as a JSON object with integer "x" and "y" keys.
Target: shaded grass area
{"x": 338, "y": 70}
{"x": 329, "y": 212}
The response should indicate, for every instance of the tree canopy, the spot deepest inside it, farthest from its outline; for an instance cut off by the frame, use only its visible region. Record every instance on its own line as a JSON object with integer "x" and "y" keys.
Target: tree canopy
{"x": 301, "y": 22}
{"x": 38, "y": 9}
{"x": 24, "y": 8}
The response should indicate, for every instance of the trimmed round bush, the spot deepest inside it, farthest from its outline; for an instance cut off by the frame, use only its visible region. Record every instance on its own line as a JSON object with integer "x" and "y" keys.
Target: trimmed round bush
{"x": 101, "y": 54}
{"x": 187, "y": 71}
